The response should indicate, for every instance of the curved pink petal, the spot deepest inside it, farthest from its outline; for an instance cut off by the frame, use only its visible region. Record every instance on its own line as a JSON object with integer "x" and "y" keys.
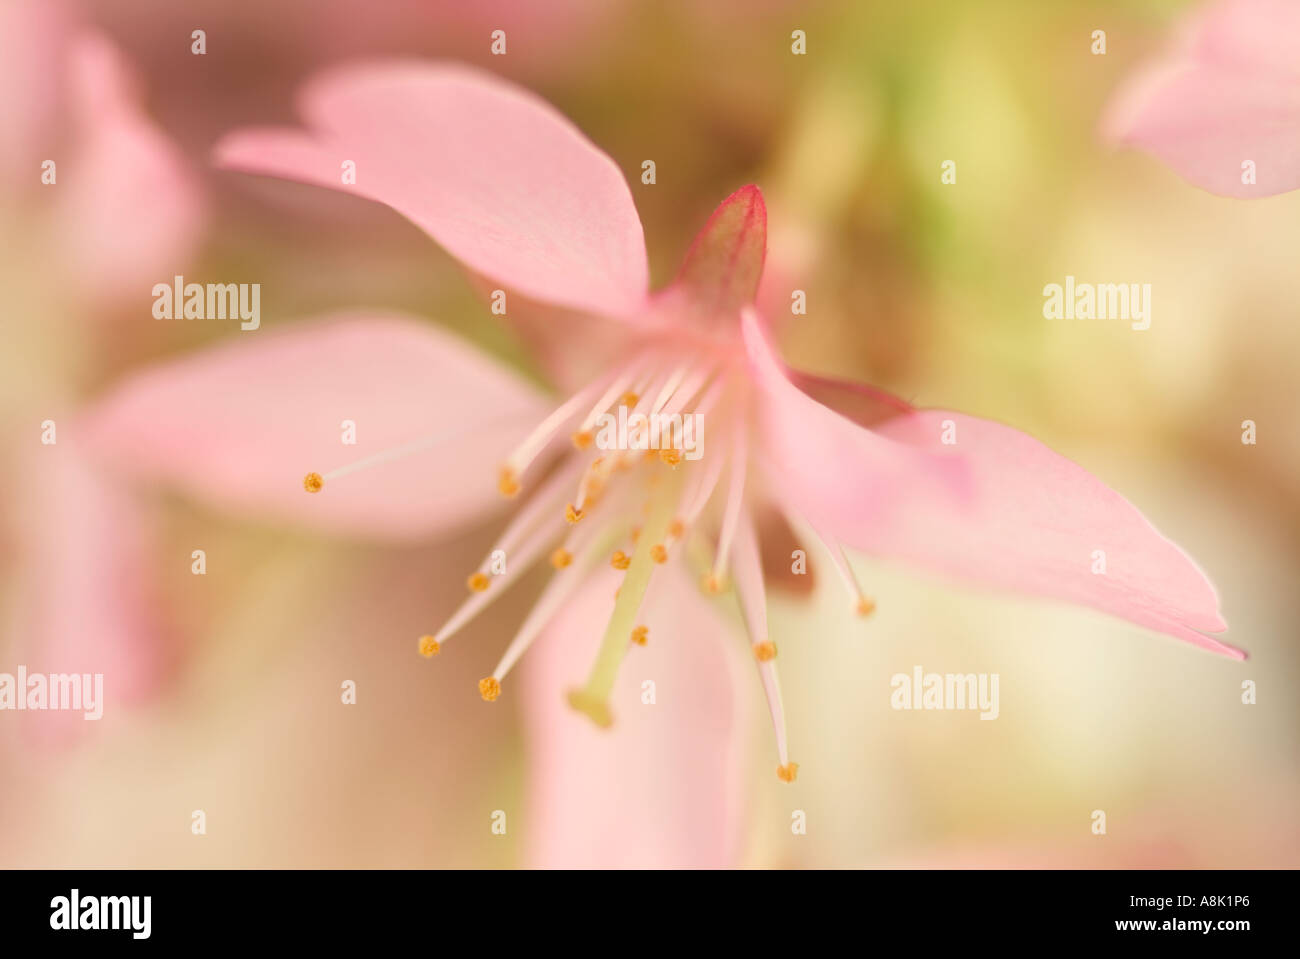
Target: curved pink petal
{"x": 87, "y": 599}
{"x": 128, "y": 210}
{"x": 829, "y": 468}
{"x": 994, "y": 507}
{"x": 492, "y": 172}
{"x": 661, "y": 787}
{"x": 1232, "y": 95}
{"x": 1034, "y": 524}
{"x": 240, "y": 425}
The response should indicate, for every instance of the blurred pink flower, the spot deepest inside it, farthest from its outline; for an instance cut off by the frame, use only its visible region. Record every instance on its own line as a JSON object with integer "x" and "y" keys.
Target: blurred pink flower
{"x": 118, "y": 207}
{"x": 514, "y": 191}
{"x": 1225, "y": 104}
{"x": 101, "y": 205}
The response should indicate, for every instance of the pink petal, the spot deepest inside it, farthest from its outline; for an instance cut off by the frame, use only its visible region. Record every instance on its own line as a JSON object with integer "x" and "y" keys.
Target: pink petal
{"x": 1035, "y": 520}
{"x": 492, "y": 172}
{"x": 1257, "y": 35}
{"x": 33, "y": 41}
{"x": 661, "y": 787}
{"x": 241, "y": 424}
{"x": 128, "y": 211}
{"x": 830, "y": 466}
{"x": 725, "y": 262}
{"x": 88, "y": 604}
{"x": 1232, "y": 95}
{"x": 1026, "y": 520}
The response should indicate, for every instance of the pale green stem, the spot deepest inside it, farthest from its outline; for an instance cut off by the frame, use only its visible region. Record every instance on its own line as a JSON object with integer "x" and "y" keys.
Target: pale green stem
{"x": 593, "y": 698}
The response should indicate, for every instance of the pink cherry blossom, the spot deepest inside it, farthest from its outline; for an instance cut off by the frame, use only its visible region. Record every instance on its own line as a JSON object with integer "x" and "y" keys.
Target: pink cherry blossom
{"x": 523, "y": 199}
{"x": 1225, "y": 103}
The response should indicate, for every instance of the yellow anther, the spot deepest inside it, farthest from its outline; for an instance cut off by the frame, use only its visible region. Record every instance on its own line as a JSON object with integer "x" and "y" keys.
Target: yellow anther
{"x": 561, "y": 558}
{"x": 507, "y": 481}
{"x": 429, "y": 647}
{"x": 583, "y": 439}
{"x": 640, "y": 635}
{"x": 659, "y": 553}
{"x": 620, "y": 560}
{"x": 676, "y": 529}
{"x": 788, "y": 772}
{"x": 671, "y": 456}
{"x": 711, "y": 583}
{"x": 629, "y": 399}
{"x": 478, "y": 582}
{"x": 765, "y": 651}
{"x": 312, "y": 482}
{"x": 572, "y": 514}
{"x": 489, "y": 689}
{"x": 866, "y": 606}
{"x": 650, "y": 455}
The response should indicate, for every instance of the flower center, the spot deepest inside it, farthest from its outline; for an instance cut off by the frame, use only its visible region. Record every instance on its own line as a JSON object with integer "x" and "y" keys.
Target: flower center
{"x": 629, "y": 481}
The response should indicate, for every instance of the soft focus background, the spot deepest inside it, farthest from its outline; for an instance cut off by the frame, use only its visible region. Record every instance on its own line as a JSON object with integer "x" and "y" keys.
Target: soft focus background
{"x": 932, "y": 291}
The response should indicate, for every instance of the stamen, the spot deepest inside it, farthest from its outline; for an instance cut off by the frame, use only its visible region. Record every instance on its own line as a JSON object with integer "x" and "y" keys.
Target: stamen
{"x": 711, "y": 396}
{"x": 313, "y": 482}
{"x": 572, "y": 515}
{"x": 429, "y": 647}
{"x": 735, "y": 501}
{"x": 787, "y": 772}
{"x": 507, "y": 482}
{"x": 620, "y": 560}
{"x": 753, "y": 605}
{"x": 640, "y": 635}
{"x": 539, "y": 507}
{"x": 659, "y": 553}
{"x": 629, "y": 399}
{"x": 592, "y": 484}
{"x": 528, "y": 549}
{"x": 686, "y": 391}
{"x": 534, "y": 512}
{"x": 700, "y": 487}
{"x": 582, "y": 545}
{"x": 619, "y": 386}
{"x": 583, "y": 439}
{"x": 669, "y": 387}
{"x": 561, "y": 558}
{"x": 673, "y": 457}
{"x": 542, "y": 435}
{"x": 444, "y": 436}
{"x": 489, "y": 688}
{"x": 645, "y": 405}
{"x": 862, "y": 603}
